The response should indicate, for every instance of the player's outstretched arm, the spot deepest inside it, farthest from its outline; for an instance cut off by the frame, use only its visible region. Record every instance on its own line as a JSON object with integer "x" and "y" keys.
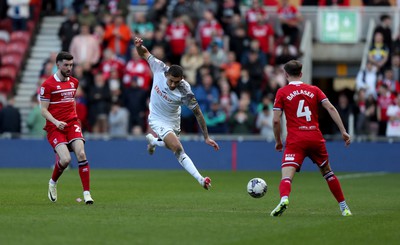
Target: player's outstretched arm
{"x": 142, "y": 50}
{"x": 277, "y": 120}
{"x": 46, "y": 114}
{"x": 338, "y": 121}
{"x": 202, "y": 123}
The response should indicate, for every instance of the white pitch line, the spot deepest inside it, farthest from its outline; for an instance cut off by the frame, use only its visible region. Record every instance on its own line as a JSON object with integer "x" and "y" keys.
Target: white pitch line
{"x": 361, "y": 175}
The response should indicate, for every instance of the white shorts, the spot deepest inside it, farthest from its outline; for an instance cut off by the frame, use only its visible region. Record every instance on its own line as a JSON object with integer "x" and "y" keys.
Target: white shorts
{"x": 162, "y": 128}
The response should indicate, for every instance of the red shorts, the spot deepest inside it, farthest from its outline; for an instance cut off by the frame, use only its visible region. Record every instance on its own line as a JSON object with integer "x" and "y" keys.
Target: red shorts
{"x": 71, "y": 132}
{"x": 295, "y": 153}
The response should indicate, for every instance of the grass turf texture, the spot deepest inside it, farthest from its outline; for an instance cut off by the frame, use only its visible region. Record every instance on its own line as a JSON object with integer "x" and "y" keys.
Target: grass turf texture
{"x": 169, "y": 207}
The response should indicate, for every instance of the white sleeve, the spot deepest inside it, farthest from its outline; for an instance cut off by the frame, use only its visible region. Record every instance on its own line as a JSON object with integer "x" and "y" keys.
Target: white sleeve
{"x": 156, "y": 65}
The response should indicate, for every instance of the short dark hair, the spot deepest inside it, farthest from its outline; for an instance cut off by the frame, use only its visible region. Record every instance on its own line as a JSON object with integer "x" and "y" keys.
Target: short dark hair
{"x": 64, "y": 56}
{"x": 384, "y": 17}
{"x": 175, "y": 71}
{"x": 293, "y": 68}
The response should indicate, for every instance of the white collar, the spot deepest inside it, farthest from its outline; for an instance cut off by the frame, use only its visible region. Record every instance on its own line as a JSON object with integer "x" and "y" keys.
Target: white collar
{"x": 58, "y": 79}
{"x": 296, "y": 82}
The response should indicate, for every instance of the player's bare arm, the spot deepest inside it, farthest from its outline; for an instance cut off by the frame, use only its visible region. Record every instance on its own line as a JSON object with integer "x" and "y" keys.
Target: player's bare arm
{"x": 46, "y": 114}
{"x": 142, "y": 50}
{"x": 202, "y": 123}
{"x": 338, "y": 121}
{"x": 277, "y": 120}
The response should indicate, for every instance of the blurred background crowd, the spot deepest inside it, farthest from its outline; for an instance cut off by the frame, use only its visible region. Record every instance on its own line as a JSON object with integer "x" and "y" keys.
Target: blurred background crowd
{"x": 231, "y": 51}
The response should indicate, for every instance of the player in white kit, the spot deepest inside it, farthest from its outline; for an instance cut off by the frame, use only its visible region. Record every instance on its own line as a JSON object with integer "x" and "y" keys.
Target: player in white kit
{"x": 169, "y": 92}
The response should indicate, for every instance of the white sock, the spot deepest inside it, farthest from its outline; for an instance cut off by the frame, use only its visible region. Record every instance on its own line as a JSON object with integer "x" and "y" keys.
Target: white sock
{"x": 343, "y": 205}
{"x": 86, "y": 192}
{"x": 52, "y": 182}
{"x": 284, "y": 198}
{"x": 188, "y": 165}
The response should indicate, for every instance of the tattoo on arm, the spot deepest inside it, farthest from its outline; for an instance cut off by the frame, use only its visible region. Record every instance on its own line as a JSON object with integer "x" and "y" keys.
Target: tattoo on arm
{"x": 200, "y": 120}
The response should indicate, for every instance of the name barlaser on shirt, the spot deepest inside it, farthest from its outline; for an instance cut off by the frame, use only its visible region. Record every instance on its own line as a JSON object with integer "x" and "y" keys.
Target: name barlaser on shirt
{"x": 299, "y": 92}
{"x": 163, "y": 95}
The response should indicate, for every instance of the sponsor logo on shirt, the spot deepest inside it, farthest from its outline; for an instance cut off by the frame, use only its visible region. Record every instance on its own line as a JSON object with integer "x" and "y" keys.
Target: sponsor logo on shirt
{"x": 159, "y": 92}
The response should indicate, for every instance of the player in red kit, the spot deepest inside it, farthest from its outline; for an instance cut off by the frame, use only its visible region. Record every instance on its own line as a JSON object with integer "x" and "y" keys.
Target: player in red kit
{"x": 57, "y": 96}
{"x": 300, "y": 103}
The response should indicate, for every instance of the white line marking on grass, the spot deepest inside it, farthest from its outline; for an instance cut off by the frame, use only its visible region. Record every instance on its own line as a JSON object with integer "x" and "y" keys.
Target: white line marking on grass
{"x": 361, "y": 175}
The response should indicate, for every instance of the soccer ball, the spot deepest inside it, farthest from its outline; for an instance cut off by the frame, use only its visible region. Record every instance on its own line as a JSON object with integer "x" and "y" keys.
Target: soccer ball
{"x": 257, "y": 187}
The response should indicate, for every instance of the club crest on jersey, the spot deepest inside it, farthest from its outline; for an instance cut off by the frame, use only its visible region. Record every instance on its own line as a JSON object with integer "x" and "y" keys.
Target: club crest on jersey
{"x": 289, "y": 157}
{"x": 72, "y": 85}
{"x": 41, "y": 90}
{"x": 58, "y": 87}
{"x": 55, "y": 141}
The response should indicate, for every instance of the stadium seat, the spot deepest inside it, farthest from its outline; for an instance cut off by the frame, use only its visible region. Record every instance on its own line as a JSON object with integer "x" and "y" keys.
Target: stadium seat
{"x": 23, "y": 36}
{"x": 6, "y": 24}
{"x": 8, "y": 74}
{"x": 12, "y": 60}
{"x": 3, "y": 46}
{"x": 16, "y": 47}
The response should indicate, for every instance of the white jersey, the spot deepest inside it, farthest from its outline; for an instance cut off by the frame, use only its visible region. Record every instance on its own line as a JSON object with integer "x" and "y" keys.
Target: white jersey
{"x": 165, "y": 104}
{"x": 393, "y": 127}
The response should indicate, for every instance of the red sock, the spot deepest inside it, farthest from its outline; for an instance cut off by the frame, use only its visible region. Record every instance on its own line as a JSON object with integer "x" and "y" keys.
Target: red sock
{"x": 334, "y": 186}
{"x": 58, "y": 170}
{"x": 285, "y": 187}
{"x": 84, "y": 173}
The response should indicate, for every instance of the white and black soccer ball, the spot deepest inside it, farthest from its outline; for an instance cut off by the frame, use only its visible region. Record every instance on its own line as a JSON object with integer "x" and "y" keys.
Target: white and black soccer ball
{"x": 257, "y": 187}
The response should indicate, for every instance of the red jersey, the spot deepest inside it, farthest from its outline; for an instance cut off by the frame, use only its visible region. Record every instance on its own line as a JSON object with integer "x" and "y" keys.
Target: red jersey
{"x": 288, "y": 12}
{"x": 138, "y": 69}
{"x": 177, "y": 35}
{"x": 61, "y": 96}
{"x": 262, "y": 33}
{"x": 209, "y": 30}
{"x": 300, "y": 103}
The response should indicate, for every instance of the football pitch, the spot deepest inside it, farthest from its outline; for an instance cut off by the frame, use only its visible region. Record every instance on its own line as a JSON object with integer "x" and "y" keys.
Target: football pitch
{"x": 170, "y": 207}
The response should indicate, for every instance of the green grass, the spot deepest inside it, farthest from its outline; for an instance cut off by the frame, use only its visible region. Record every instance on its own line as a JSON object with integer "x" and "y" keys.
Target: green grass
{"x": 169, "y": 207}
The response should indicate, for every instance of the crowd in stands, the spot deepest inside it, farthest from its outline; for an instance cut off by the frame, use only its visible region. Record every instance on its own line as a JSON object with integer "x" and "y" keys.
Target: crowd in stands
{"x": 231, "y": 58}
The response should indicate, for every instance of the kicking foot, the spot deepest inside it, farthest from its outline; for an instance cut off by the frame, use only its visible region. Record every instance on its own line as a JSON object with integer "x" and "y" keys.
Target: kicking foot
{"x": 206, "y": 183}
{"x": 346, "y": 212}
{"x": 87, "y": 197}
{"x": 52, "y": 193}
{"x": 282, "y": 206}
{"x": 150, "y": 147}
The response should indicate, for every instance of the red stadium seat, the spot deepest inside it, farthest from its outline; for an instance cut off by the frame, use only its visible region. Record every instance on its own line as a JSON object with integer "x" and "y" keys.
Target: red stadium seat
{"x": 11, "y": 60}
{"x": 3, "y": 46}
{"x": 16, "y": 47}
{"x": 23, "y": 36}
{"x": 8, "y": 72}
{"x": 6, "y": 24}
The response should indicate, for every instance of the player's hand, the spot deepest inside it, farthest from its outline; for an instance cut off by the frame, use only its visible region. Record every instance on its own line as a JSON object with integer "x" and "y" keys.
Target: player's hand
{"x": 212, "y": 143}
{"x": 278, "y": 146}
{"x": 138, "y": 41}
{"x": 61, "y": 125}
{"x": 346, "y": 138}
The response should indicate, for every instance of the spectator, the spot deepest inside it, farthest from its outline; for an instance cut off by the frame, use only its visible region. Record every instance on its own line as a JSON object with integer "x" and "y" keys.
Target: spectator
{"x": 285, "y": 52}
{"x": 134, "y": 99}
{"x": 378, "y": 54}
{"x": 290, "y": 19}
{"x": 255, "y": 70}
{"x": 253, "y": 12}
{"x": 176, "y": 34}
{"x": 206, "y": 92}
{"x": 254, "y": 47}
{"x": 227, "y": 9}
{"x": 367, "y": 79}
{"x": 208, "y": 30}
{"x": 385, "y": 28}
{"x": 264, "y": 123}
{"x": 18, "y": 11}
{"x": 239, "y": 41}
{"x": 142, "y": 27}
{"x": 215, "y": 119}
{"x": 138, "y": 71}
{"x": 385, "y": 99}
{"x": 118, "y": 36}
{"x": 229, "y": 101}
{"x": 217, "y": 55}
{"x": 191, "y": 61}
{"x": 99, "y": 102}
{"x": 109, "y": 62}
{"x": 10, "y": 118}
{"x": 85, "y": 48}
{"x": 207, "y": 68}
{"x": 85, "y": 17}
{"x": 393, "y": 112}
{"x": 393, "y": 85}
{"x": 114, "y": 83}
{"x": 363, "y": 113}
{"x": 118, "y": 7}
{"x": 35, "y": 121}
{"x": 345, "y": 110}
{"x": 157, "y": 11}
{"x": 118, "y": 120}
{"x": 396, "y": 66}
{"x": 264, "y": 33}
{"x": 232, "y": 69}
{"x": 68, "y": 29}
{"x": 242, "y": 121}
